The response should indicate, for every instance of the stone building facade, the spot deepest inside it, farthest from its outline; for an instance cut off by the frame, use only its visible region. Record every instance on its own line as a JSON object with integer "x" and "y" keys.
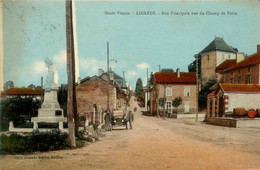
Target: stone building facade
{"x": 94, "y": 90}
{"x": 170, "y": 86}
{"x": 244, "y": 72}
{"x": 215, "y": 54}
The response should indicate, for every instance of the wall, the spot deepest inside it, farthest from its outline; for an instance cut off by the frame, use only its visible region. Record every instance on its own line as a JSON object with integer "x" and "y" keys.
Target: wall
{"x": 208, "y": 66}
{"x": 94, "y": 91}
{"x": 223, "y": 56}
{"x": 246, "y": 100}
{"x": 178, "y": 91}
{"x": 243, "y": 72}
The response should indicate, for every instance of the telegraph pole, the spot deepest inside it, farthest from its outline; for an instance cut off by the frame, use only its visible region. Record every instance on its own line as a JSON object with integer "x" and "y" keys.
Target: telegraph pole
{"x": 197, "y": 90}
{"x": 71, "y": 73}
{"x": 108, "y": 76}
{"x": 147, "y": 87}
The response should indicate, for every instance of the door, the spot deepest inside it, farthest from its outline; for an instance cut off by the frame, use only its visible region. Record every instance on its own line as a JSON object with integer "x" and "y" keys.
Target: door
{"x": 169, "y": 107}
{"x": 186, "y": 107}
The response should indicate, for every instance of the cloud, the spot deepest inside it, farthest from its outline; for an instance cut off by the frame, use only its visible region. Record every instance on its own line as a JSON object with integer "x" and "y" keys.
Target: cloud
{"x": 131, "y": 73}
{"x": 143, "y": 65}
{"x": 90, "y": 66}
{"x": 39, "y": 67}
{"x": 60, "y": 60}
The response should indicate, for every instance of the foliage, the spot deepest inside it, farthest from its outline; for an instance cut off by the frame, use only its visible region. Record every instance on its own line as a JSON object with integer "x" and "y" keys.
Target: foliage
{"x": 177, "y": 102}
{"x": 161, "y": 102}
{"x": 62, "y": 99}
{"x": 192, "y": 66}
{"x": 139, "y": 87}
{"x": 204, "y": 93}
{"x": 8, "y": 85}
{"x": 18, "y": 110}
{"x": 37, "y": 141}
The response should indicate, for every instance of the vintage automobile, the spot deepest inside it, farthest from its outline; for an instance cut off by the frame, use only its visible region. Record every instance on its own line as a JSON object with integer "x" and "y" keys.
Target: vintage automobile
{"x": 121, "y": 119}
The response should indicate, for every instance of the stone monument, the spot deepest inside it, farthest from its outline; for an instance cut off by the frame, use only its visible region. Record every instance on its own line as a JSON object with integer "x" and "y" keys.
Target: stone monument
{"x": 50, "y": 110}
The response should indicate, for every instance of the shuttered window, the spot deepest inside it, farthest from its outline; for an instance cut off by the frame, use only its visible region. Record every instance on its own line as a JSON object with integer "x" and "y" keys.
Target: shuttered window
{"x": 168, "y": 91}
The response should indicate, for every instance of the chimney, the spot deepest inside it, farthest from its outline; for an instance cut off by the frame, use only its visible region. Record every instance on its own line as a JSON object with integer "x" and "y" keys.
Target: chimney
{"x": 258, "y": 48}
{"x": 178, "y": 72}
{"x": 100, "y": 71}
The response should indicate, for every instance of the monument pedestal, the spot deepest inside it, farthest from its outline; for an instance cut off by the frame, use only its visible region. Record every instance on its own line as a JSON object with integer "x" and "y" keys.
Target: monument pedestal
{"x": 50, "y": 111}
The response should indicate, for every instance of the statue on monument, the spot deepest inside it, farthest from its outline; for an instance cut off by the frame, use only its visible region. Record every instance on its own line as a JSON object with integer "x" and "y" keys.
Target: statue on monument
{"x": 52, "y": 77}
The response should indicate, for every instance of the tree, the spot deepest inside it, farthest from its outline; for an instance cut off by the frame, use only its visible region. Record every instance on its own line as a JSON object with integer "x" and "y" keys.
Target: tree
{"x": 204, "y": 93}
{"x": 161, "y": 102}
{"x": 139, "y": 87}
{"x": 177, "y": 102}
{"x": 18, "y": 109}
{"x": 8, "y": 85}
{"x": 192, "y": 66}
{"x": 62, "y": 99}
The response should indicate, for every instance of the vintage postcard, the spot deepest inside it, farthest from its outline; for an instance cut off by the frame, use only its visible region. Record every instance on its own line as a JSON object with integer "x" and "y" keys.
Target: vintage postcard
{"x": 129, "y": 84}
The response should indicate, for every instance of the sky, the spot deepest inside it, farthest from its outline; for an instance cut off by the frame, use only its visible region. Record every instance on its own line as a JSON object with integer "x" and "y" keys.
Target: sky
{"x": 36, "y": 30}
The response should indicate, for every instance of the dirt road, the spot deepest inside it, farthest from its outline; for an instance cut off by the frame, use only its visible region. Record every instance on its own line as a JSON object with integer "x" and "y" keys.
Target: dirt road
{"x": 155, "y": 143}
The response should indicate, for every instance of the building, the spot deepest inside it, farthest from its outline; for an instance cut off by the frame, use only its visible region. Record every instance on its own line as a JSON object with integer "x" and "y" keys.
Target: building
{"x": 226, "y": 97}
{"x": 95, "y": 91}
{"x": 214, "y": 54}
{"x": 23, "y": 92}
{"x": 170, "y": 85}
{"x": 118, "y": 80}
{"x": 246, "y": 71}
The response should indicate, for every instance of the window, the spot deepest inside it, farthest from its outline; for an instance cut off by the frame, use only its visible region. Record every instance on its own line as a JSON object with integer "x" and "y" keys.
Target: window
{"x": 239, "y": 80}
{"x": 239, "y": 71}
{"x": 208, "y": 57}
{"x": 186, "y": 92}
{"x": 231, "y": 73}
{"x": 231, "y": 80}
{"x": 249, "y": 69}
{"x": 169, "y": 91}
{"x": 229, "y": 56}
{"x": 248, "y": 79}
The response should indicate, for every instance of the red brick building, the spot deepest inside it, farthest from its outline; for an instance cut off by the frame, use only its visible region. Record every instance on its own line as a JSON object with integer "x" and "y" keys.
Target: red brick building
{"x": 244, "y": 72}
{"x": 170, "y": 86}
{"x": 94, "y": 91}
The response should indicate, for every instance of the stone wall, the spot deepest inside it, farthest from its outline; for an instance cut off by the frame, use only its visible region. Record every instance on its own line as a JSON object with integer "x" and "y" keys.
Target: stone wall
{"x": 253, "y": 70}
{"x": 94, "y": 91}
{"x": 208, "y": 66}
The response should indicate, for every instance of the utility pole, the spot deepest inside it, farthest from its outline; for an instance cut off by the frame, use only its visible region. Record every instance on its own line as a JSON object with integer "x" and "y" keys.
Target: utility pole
{"x": 71, "y": 73}
{"x": 197, "y": 90}
{"x": 108, "y": 76}
{"x": 147, "y": 88}
{"x": 159, "y": 68}
{"x": 1, "y": 49}
{"x": 41, "y": 89}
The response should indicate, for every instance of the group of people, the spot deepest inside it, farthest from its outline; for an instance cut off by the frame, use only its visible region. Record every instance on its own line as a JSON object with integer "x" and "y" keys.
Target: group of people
{"x": 128, "y": 117}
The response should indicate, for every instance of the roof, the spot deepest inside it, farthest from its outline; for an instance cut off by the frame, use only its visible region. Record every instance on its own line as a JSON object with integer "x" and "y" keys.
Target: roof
{"x": 218, "y": 44}
{"x": 251, "y": 60}
{"x": 240, "y": 88}
{"x": 167, "y": 70}
{"x": 226, "y": 64}
{"x": 185, "y": 78}
{"x": 212, "y": 93}
{"x": 116, "y": 76}
{"x": 23, "y": 91}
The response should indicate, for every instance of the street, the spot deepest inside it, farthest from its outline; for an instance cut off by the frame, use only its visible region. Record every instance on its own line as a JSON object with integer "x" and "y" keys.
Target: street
{"x": 154, "y": 143}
